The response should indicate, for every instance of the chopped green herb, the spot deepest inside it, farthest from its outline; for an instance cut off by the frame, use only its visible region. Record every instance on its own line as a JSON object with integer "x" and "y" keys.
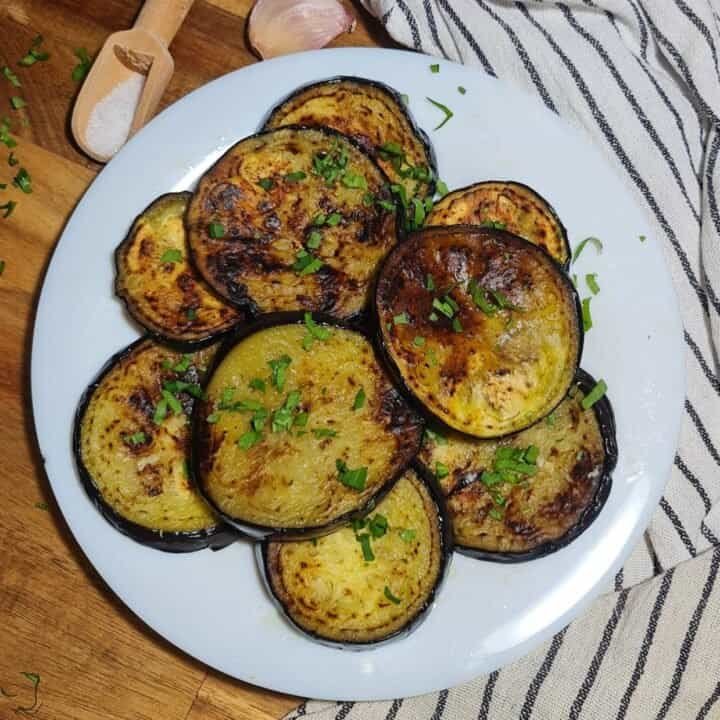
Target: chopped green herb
{"x": 306, "y": 263}
{"x": 314, "y": 240}
{"x": 551, "y": 419}
{"x": 354, "y": 479}
{"x": 419, "y": 341}
{"x": 364, "y": 540}
{"x": 441, "y": 470}
{"x": 319, "y": 219}
{"x": 212, "y": 418}
{"x": 401, "y": 319}
{"x": 494, "y": 224}
{"x": 444, "y": 307}
{"x": 386, "y": 205}
{"x": 257, "y": 384}
{"x": 81, "y": 69}
{"x": 496, "y": 514}
{"x": 378, "y": 525}
{"x": 135, "y": 439}
{"x": 333, "y": 219}
{"x": 359, "y": 400}
{"x": 435, "y": 436}
{"x": 331, "y": 165}
{"x": 391, "y": 597}
{"x": 368, "y": 199}
{"x": 324, "y": 432}
{"x": 586, "y": 316}
{"x": 248, "y": 439}
{"x": 216, "y": 230}
{"x": 2, "y": 267}
{"x": 42, "y": 506}
{"x": 183, "y": 365}
{"x": 446, "y": 110}
{"x": 407, "y": 535}
{"x": 429, "y": 282}
{"x": 511, "y": 465}
{"x": 431, "y": 356}
{"x": 315, "y": 332}
{"x": 5, "y": 137}
{"x": 591, "y": 280}
{"x": 172, "y": 402}
{"x": 23, "y": 181}
{"x": 418, "y": 213}
{"x": 171, "y": 256}
{"x": 17, "y": 102}
{"x": 33, "y": 54}
{"x": 461, "y": 90}
{"x": 266, "y": 183}
{"x": 191, "y": 313}
{"x": 351, "y": 180}
{"x": 279, "y": 368}
{"x": 581, "y": 246}
{"x": 11, "y": 76}
{"x": 160, "y": 412}
{"x": 295, "y": 176}
{"x": 642, "y": 238}
{"x": 457, "y": 325}
{"x": 594, "y": 395}
{"x": 12, "y": 160}
{"x": 435, "y": 68}
{"x": 441, "y": 189}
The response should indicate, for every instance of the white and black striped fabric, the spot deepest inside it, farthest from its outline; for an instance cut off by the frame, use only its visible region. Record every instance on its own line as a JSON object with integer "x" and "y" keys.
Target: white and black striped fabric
{"x": 641, "y": 77}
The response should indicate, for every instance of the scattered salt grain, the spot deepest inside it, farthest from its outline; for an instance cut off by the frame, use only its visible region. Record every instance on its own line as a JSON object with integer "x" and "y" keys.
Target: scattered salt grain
{"x": 109, "y": 124}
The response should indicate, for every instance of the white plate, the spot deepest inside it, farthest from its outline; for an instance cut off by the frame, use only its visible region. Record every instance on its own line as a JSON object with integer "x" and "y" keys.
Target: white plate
{"x": 212, "y": 605}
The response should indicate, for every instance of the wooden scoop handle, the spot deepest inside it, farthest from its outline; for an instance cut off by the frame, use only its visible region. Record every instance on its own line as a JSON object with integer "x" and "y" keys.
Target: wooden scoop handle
{"x": 163, "y": 18}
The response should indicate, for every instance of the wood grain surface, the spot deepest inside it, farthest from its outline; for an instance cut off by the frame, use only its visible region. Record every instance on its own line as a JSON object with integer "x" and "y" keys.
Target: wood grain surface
{"x": 60, "y": 622}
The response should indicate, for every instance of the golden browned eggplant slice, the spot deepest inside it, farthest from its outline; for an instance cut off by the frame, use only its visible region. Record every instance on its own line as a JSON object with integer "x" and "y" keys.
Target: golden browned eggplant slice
{"x": 482, "y": 326}
{"x": 292, "y": 219}
{"x": 375, "y": 116}
{"x": 508, "y": 205}
{"x": 528, "y": 494}
{"x": 369, "y": 582}
{"x": 132, "y": 439}
{"x": 301, "y": 429}
{"x": 159, "y": 286}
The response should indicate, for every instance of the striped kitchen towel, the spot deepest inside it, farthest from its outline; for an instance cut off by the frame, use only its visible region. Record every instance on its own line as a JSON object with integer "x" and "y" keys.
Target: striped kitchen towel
{"x": 641, "y": 77}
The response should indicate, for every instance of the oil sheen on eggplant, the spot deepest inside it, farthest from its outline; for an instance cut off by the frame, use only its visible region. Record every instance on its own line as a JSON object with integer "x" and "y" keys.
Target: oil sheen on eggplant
{"x": 371, "y": 113}
{"x": 159, "y": 286}
{"x": 482, "y": 327}
{"x": 330, "y": 590}
{"x": 537, "y": 513}
{"x": 513, "y": 206}
{"x": 272, "y": 446}
{"x": 135, "y": 466}
{"x": 289, "y": 220}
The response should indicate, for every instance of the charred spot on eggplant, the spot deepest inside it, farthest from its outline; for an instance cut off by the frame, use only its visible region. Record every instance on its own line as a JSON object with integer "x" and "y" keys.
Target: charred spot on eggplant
{"x": 482, "y": 327}
{"x": 159, "y": 286}
{"x": 289, "y": 220}
{"x": 132, "y": 440}
{"x": 368, "y": 582}
{"x": 300, "y": 428}
{"x": 508, "y": 205}
{"x": 376, "y": 117}
{"x": 531, "y": 493}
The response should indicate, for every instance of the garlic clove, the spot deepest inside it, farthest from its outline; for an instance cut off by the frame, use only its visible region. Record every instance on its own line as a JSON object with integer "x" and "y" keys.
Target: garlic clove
{"x": 279, "y": 27}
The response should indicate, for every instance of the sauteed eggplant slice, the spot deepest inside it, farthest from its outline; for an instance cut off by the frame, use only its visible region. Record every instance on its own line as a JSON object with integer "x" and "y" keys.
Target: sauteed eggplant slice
{"x": 376, "y": 117}
{"x": 368, "y": 582}
{"x": 512, "y": 206}
{"x": 292, "y": 219}
{"x": 531, "y": 493}
{"x": 159, "y": 286}
{"x": 482, "y": 327}
{"x": 300, "y": 429}
{"x": 131, "y": 444}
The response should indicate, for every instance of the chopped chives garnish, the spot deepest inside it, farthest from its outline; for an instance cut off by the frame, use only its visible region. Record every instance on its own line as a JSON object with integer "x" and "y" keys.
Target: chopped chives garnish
{"x": 11, "y": 76}
{"x": 429, "y": 282}
{"x": 551, "y": 418}
{"x": 368, "y": 199}
{"x": 642, "y": 238}
{"x": 8, "y": 207}
{"x": 248, "y": 439}
{"x": 435, "y": 68}
{"x": 457, "y": 325}
{"x": 444, "y": 307}
{"x": 407, "y": 535}
{"x": 12, "y": 160}
{"x": 391, "y": 597}
{"x": 160, "y": 411}
{"x": 216, "y": 230}
{"x": 441, "y": 189}
{"x": 314, "y": 240}
{"x": 591, "y": 280}
{"x": 81, "y": 69}
{"x": 581, "y": 246}
{"x": 494, "y": 224}
{"x": 431, "y": 357}
{"x": 135, "y": 439}
{"x": 23, "y": 181}
{"x": 461, "y": 90}
{"x": 511, "y": 465}
{"x": 359, "y": 399}
{"x": 594, "y": 395}
{"x": 257, "y": 384}
{"x": 418, "y": 213}
{"x": 34, "y": 55}
{"x": 364, "y": 540}
{"x": 386, "y": 204}
{"x": 182, "y": 365}
{"x": 295, "y": 176}
{"x": 279, "y": 368}
{"x": 446, "y": 110}
{"x": 496, "y": 514}
{"x": 586, "y": 316}
{"x": 315, "y": 332}
{"x": 441, "y": 470}
{"x": 401, "y": 319}
{"x": 351, "y": 180}
{"x": 435, "y": 436}
{"x": 419, "y": 341}
{"x": 378, "y": 525}
{"x": 354, "y": 479}
{"x": 324, "y": 432}
{"x": 173, "y": 403}
{"x": 333, "y": 219}
{"x": 171, "y": 256}
{"x": 319, "y": 219}
{"x": 17, "y": 102}
{"x": 301, "y": 419}
{"x": 266, "y": 183}
{"x": 306, "y": 263}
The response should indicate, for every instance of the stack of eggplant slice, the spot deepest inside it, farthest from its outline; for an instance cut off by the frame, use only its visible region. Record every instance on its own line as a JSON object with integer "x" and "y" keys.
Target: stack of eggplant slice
{"x": 352, "y": 376}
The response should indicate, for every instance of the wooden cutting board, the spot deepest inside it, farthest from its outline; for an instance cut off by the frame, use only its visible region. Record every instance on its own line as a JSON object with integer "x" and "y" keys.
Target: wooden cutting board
{"x": 60, "y": 623}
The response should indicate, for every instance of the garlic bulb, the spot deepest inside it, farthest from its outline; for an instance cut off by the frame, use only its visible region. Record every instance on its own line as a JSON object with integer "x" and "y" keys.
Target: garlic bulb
{"x": 279, "y": 27}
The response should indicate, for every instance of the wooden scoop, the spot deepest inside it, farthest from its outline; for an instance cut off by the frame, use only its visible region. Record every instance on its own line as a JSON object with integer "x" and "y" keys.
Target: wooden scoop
{"x": 142, "y": 49}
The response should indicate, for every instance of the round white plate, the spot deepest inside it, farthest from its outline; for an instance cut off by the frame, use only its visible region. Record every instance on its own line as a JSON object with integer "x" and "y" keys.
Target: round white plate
{"x": 212, "y": 605}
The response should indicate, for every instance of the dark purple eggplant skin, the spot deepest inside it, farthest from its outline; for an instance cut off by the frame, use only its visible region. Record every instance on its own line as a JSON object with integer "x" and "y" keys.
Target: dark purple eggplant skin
{"x": 247, "y": 305}
{"x": 606, "y": 420}
{"x": 263, "y": 532}
{"x": 392, "y": 92}
{"x": 446, "y": 539}
{"x": 181, "y": 346}
{"x": 394, "y": 372}
{"x": 214, "y": 538}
